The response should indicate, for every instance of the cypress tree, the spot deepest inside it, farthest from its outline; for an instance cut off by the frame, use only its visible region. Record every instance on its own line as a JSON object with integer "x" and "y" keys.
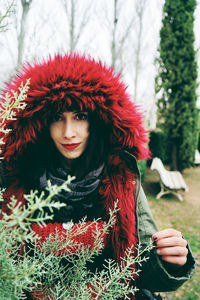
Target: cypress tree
{"x": 176, "y": 82}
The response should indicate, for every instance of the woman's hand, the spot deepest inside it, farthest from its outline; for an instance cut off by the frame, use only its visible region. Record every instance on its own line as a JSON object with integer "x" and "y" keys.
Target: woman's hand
{"x": 171, "y": 246}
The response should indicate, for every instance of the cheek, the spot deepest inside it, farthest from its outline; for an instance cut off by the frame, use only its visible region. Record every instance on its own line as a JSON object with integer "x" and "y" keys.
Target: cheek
{"x": 53, "y": 132}
{"x": 83, "y": 130}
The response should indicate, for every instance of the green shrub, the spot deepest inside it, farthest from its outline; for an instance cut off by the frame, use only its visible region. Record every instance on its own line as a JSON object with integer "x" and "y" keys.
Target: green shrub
{"x": 142, "y": 164}
{"x": 157, "y": 144}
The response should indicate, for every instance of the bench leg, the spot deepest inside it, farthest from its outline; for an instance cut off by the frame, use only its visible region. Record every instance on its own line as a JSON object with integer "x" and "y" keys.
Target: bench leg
{"x": 165, "y": 192}
{"x": 177, "y": 195}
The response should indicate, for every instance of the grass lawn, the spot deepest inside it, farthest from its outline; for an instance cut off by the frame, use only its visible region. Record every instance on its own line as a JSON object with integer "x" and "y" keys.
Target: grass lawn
{"x": 183, "y": 216}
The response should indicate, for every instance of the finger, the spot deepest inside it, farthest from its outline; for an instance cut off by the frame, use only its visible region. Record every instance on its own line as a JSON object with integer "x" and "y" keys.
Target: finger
{"x": 172, "y": 251}
{"x": 171, "y": 242}
{"x": 177, "y": 260}
{"x": 166, "y": 233}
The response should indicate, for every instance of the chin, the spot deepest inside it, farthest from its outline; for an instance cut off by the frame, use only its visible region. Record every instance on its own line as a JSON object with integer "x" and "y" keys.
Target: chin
{"x": 71, "y": 155}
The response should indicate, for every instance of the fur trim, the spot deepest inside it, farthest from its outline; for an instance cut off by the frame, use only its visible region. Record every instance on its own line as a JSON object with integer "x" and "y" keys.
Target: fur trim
{"x": 63, "y": 81}
{"x": 119, "y": 186}
{"x": 10, "y": 191}
{"x": 72, "y": 80}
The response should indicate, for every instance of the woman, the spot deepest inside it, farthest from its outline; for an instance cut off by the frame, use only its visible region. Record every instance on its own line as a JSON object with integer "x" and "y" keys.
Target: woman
{"x": 79, "y": 120}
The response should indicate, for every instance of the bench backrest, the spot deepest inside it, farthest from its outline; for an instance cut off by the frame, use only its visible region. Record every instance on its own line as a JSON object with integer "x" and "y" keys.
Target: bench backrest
{"x": 197, "y": 157}
{"x": 171, "y": 179}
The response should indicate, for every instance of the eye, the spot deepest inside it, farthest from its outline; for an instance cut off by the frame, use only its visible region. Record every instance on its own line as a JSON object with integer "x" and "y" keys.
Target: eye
{"x": 58, "y": 117}
{"x": 81, "y": 116}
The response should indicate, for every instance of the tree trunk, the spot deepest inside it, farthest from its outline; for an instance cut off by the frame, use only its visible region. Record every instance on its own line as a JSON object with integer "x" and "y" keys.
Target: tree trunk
{"x": 174, "y": 156}
{"x": 140, "y": 13}
{"x": 114, "y": 35}
{"x": 72, "y": 37}
{"x": 21, "y": 38}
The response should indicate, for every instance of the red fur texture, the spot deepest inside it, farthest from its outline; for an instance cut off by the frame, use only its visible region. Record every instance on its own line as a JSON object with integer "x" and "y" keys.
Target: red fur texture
{"x": 64, "y": 80}
{"x": 120, "y": 187}
{"x": 60, "y": 82}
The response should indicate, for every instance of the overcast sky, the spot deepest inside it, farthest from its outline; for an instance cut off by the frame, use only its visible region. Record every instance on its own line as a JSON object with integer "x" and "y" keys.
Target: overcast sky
{"x": 47, "y": 34}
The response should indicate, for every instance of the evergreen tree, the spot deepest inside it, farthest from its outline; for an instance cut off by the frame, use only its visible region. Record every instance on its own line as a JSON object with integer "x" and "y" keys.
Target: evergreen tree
{"x": 176, "y": 82}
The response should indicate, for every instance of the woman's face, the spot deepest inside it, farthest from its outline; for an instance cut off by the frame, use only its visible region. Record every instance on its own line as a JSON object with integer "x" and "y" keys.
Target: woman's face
{"x": 70, "y": 132}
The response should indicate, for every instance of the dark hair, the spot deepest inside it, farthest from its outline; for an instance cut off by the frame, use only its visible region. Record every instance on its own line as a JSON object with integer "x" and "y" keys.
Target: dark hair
{"x": 98, "y": 146}
{"x": 43, "y": 155}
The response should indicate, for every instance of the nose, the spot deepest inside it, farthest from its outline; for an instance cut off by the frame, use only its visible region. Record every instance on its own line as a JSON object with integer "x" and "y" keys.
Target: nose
{"x": 68, "y": 130}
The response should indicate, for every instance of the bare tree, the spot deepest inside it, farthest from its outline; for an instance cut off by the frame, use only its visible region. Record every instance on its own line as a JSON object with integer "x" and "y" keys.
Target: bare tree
{"x": 26, "y": 4}
{"x": 114, "y": 31}
{"x": 140, "y": 10}
{"x": 78, "y": 17}
{"x": 119, "y": 27}
{"x": 14, "y": 41}
{"x": 4, "y": 16}
{"x": 132, "y": 46}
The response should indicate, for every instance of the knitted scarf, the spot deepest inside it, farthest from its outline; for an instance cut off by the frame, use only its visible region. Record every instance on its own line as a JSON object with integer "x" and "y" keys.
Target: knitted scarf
{"x": 81, "y": 200}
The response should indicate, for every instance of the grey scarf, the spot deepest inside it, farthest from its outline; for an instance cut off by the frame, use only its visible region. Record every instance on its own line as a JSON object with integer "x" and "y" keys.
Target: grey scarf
{"x": 81, "y": 200}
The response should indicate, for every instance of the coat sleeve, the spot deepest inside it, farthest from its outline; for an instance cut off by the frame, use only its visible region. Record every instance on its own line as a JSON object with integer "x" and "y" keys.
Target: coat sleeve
{"x": 157, "y": 275}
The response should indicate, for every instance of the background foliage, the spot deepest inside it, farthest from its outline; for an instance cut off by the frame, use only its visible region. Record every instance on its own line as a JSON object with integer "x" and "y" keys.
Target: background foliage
{"x": 176, "y": 82}
{"x": 157, "y": 144}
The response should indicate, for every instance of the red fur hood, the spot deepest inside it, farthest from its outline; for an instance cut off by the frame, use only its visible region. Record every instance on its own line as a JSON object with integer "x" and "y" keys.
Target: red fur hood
{"x": 62, "y": 80}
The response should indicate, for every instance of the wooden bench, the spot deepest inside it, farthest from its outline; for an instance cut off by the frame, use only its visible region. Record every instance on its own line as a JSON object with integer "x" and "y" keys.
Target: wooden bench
{"x": 170, "y": 181}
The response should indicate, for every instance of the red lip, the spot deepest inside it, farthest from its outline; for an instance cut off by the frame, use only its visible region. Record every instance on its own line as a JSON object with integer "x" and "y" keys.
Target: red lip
{"x": 70, "y": 146}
